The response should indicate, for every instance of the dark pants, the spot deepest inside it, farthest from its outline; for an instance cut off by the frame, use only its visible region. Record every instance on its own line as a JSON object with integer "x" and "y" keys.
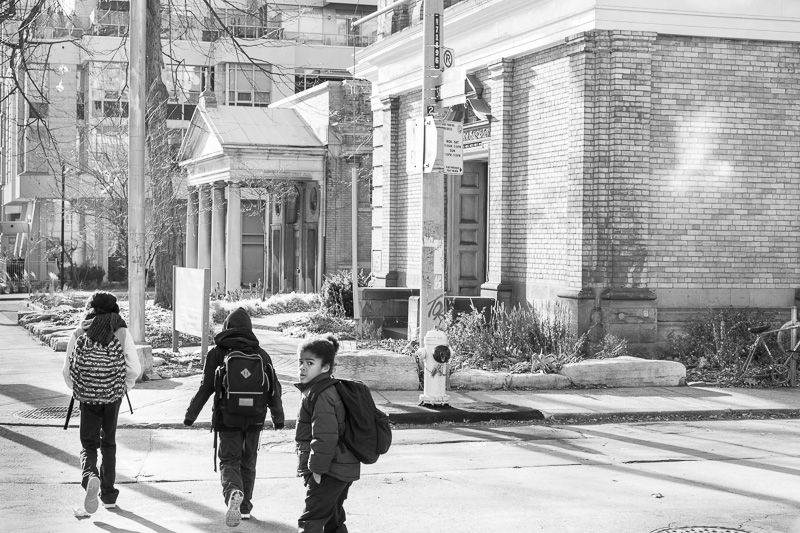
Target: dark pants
{"x": 238, "y": 452}
{"x": 324, "y": 511}
{"x": 99, "y": 430}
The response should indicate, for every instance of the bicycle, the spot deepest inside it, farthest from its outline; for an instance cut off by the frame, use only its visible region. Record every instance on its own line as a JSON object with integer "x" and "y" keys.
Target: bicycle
{"x": 779, "y": 372}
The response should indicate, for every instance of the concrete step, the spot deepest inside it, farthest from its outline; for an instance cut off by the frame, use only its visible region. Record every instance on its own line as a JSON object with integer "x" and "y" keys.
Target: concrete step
{"x": 395, "y": 333}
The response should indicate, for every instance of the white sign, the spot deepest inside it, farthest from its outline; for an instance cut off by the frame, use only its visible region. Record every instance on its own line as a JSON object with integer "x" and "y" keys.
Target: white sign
{"x": 452, "y": 147}
{"x": 190, "y": 302}
{"x": 414, "y": 144}
{"x": 444, "y": 147}
{"x": 448, "y": 56}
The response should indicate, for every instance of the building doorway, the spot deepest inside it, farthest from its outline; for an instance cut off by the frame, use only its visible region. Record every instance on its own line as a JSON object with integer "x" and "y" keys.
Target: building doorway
{"x": 466, "y": 208}
{"x": 293, "y": 240}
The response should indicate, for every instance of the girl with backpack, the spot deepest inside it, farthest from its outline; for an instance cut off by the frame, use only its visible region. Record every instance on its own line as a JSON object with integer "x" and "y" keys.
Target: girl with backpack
{"x": 327, "y": 468}
{"x": 100, "y": 366}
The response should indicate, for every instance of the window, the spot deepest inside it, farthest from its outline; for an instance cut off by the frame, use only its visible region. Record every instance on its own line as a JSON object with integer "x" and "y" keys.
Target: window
{"x": 248, "y": 85}
{"x": 36, "y": 91}
{"x": 185, "y": 84}
{"x": 109, "y": 90}
{"x": 305, "y": 79}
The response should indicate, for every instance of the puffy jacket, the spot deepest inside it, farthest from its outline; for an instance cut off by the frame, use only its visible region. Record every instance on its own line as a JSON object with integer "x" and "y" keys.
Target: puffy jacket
{"x": 237, "y": 334}
{"x": 319, "y": 449}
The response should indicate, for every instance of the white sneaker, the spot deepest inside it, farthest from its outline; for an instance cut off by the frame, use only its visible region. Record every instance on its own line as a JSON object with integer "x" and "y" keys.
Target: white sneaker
{"x": 245, "y": 516}
{"x": 79, "y": 512}
{"x": 234, "y": 515}
{"x": 90, "y": 503}
{"x": 110, "y": 505}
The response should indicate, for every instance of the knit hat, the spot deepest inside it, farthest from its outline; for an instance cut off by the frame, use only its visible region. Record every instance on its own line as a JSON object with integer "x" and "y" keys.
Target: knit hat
{"x": 102, "y": 302}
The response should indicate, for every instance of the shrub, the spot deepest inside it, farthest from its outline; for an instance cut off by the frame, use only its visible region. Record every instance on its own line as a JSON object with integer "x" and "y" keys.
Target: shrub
{"x": 278, "y": 303}
{"x": 86, "y": 276}
{"x": 117, "y": 267}
{"x": 321, "y": 321}
{"x": 713, "y": 344}
{"x": 523, "y": 339}
{"x": 337, "y": 291}
{"x": 609, "y": 346}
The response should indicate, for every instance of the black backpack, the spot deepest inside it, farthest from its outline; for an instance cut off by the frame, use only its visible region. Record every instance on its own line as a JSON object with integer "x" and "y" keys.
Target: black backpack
{"x": 367, "y": 432}
{"x": 242, "y": 383}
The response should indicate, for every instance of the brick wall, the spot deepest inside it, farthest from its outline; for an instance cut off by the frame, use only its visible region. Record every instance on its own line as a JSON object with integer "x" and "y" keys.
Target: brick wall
{"x": 541, "y": 225}
{"x": 724, "y": 157}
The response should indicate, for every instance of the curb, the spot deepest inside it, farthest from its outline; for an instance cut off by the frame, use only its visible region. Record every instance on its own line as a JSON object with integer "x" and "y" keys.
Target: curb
{"x": 427, "y": 416}
{"x": 644, "y": 416}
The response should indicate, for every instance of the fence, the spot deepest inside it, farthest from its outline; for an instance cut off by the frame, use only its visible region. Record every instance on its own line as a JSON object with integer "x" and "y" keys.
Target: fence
{"x": 18, "y": 276}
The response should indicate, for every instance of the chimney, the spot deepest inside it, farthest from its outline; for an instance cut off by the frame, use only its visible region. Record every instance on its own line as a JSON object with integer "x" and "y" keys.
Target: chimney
{"x": 207, "y": 99}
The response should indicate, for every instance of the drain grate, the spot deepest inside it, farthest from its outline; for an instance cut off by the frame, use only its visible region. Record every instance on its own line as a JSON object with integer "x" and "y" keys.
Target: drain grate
{"x": 43, "y": 413}
{"x": 699, "y": 529}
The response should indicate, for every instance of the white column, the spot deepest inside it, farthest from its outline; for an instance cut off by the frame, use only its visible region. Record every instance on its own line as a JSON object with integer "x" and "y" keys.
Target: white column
{"x": 204, "y": 229}
{"x": 218, "y": 236}
{"x": 233, "y": 239}
{"x": 192, "y": 208}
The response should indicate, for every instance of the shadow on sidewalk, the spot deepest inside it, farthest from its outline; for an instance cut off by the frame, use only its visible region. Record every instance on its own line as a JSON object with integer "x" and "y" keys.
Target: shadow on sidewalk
{"x": 150, "y": 490}
{"x": 33, "y": 396}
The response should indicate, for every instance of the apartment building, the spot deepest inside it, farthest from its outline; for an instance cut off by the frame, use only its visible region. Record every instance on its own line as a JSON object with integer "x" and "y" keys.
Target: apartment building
{"x": 64, "y": 135}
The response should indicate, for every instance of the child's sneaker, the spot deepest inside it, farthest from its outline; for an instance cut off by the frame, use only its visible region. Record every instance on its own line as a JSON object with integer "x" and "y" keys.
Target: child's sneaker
{"x": 109, "y": 505}
{"x": 245, "y": 516}
{"x": 90, "y": 503}
{"x": 234, "y": 515}
{"x": 80, "y": 512}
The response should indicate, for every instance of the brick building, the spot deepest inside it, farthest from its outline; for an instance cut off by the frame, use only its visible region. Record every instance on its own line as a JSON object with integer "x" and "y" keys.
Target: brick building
{"x": 633, "y": 159}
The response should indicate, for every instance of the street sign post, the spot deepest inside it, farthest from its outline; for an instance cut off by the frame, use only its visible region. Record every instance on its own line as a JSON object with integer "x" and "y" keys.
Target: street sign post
{"x": 432, "y": 261}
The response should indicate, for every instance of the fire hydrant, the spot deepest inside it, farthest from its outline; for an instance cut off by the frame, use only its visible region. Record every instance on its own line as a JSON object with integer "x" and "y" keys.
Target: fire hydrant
{"x": 435, "y": 356}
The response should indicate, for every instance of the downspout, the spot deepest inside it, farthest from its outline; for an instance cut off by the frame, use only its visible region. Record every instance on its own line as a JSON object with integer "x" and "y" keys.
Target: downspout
{"x": 323, "y": 219}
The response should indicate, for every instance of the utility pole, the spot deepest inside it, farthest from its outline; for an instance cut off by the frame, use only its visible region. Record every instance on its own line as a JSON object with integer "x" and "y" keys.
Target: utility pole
{"x": 136, "y": 228}
{"x": 431, "y": 293}
{"x": 63, "y": 195}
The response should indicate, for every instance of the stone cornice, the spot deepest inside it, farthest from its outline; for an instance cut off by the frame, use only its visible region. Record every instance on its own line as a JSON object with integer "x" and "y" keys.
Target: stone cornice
{"x": 482, "y": 32}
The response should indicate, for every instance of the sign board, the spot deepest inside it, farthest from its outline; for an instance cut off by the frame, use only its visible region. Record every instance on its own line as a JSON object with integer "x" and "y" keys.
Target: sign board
{"x": 191, "y": 290}
{"x": 452, "y": 147}
{"x": 414, "y": 147}
{"x": 444, "y": 147}
{"x": 437, "y": 41}
{"x": 448, "y": 57}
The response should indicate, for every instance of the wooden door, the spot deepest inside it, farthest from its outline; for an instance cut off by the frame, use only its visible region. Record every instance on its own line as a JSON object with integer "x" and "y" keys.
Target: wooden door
{"x": 467, "y": 225}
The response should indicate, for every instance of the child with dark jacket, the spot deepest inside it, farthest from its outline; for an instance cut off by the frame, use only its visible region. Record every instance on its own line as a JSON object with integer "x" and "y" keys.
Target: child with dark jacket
{"x": 327, "y": 467}
{"x": 239, "y": 436}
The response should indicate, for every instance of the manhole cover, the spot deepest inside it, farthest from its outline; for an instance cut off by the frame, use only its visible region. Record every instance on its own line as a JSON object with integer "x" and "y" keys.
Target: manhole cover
{"x": 46, "y": 412}
{"x": 699, "y": 529}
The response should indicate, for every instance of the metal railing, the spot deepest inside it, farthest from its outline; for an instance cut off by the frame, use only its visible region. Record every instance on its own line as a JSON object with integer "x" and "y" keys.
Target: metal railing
{"x": 17, "y": 275}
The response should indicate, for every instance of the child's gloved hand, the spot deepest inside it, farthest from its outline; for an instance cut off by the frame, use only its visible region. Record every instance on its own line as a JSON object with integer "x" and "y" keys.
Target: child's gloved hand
{"x": 317, "y": 478}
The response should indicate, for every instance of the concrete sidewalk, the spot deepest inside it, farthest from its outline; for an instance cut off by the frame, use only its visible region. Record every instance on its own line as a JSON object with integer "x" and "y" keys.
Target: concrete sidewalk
{"x": 32, "y": 392}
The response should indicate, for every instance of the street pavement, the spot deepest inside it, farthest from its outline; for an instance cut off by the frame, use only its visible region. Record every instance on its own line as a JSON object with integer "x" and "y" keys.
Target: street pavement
{"x": 167, "y": 482}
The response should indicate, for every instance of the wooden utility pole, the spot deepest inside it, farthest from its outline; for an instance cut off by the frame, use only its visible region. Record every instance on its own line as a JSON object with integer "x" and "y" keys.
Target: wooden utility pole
{"x": 136, "y": 132}
{"x": 431, "y": 293}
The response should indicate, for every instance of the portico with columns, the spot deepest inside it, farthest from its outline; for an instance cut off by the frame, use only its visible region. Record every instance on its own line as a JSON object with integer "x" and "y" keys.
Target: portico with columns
{"x": 234, "y": 225}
